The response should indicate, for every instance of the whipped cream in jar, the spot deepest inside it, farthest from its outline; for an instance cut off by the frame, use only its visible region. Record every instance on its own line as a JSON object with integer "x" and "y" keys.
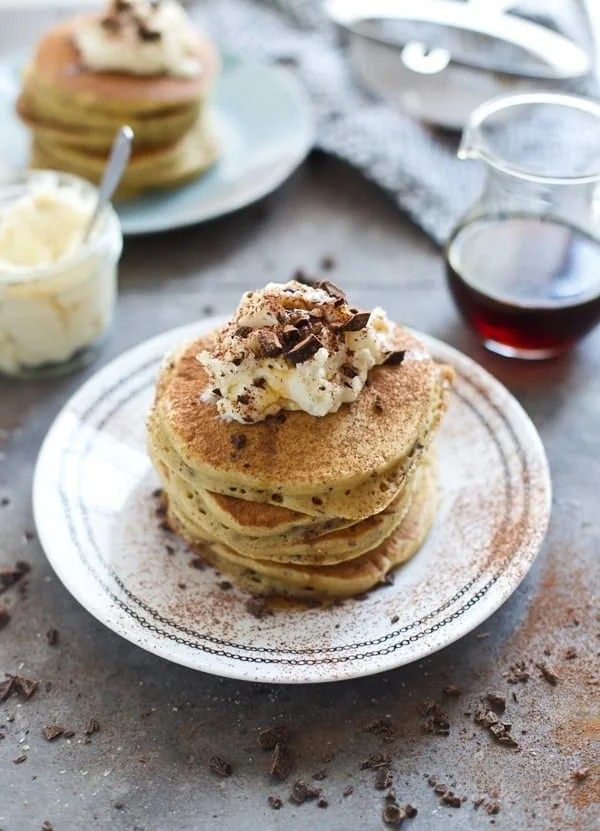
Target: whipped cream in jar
{"x": 57, "y": 291}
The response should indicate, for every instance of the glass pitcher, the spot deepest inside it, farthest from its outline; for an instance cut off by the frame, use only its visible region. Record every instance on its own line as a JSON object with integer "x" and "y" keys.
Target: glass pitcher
{"x": 524, "y": 263}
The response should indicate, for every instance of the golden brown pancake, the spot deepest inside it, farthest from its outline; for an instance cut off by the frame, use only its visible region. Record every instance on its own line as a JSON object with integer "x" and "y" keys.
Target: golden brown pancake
{"x": 56, "y": 64}
{"x": 348, "y": 464}
{"x": 345, "y": 579}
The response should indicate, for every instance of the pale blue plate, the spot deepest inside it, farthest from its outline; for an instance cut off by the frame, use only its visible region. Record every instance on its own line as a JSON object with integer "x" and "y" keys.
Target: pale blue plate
{"x": 265, "y": 128}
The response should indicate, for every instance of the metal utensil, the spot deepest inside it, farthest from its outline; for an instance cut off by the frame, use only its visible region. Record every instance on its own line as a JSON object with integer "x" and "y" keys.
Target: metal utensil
{"x": 560, "y": 57}
{"x": 115, "y": 166}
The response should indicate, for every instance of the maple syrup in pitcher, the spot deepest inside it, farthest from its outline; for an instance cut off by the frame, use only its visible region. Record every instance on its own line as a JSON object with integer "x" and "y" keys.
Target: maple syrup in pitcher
{"x": 524, "y": 263}
{"x": 529, "y": 286}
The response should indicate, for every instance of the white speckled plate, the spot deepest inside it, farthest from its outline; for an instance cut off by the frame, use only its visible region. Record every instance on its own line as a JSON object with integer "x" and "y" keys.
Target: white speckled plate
{"x": 264, "y": 124}
{"x": 95, "y": 517}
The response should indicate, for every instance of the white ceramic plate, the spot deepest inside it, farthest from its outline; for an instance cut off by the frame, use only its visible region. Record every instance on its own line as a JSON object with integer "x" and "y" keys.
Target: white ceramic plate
{"x": 96, "y": 521}
{"x": 264, "y": 125}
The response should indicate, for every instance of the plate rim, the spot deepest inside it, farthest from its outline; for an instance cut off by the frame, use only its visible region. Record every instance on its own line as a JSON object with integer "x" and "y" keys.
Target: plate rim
{"x": 303, "y": 144}
{"x": 159, "y": 646}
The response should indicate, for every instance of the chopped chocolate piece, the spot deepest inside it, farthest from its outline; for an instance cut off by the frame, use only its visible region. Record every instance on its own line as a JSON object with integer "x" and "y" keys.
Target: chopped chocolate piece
{"x": 357, "y": 322}
{"x": 333, "y": 291}
{"x": 581, "y": 774}
{"x": 452, "y": 800}
{"x": 317, "y": 501}
{"x": 320, "y": 774}
{"x": 394, "y": 619}
{"x": 391, "y": 794}
{"x": 198, "y": 563}
{"x": 431, "y": 781}
{"x": 164, "y": 526}
{"x": 281, "y": 762}
{"x": 393, "y": 815}
{"x": 549, "y": 673}
{"x": 508, "y": 740}
{"x": 349, "y": 371}
{"x": 52, "y": 731}
{"x": 437, "y": 721}
{"x": 269, "y": 737}
{"x": 440, "y": 789}
{"x": 493, "y": 806}
{"x": 52, "y": 637}
{"x": 4, "y": 616}
{"x": 379, "y": 725}
{"x": 328, "y": 263}
{"x": 47, "y": 826}
{"x": 237, "y": 361}
{"x": 269, "y": 343}
{"x": 6, "y": 687}
{"x": 219, "y": 766}
{"x": 291, "y": 335}
{"x": 570, "y": 653}
{"x": 477, "y": 801}
{"x": 395, "y": 357}
{"x": 24, "y": 686}
{"x": 276, "y": 497}
{"x": 244, "y": 399}
{"x": 518, "y": 673}
{"x": 301, "y": 791}
{"x": 383, "y": 779}
{"x": 260, "y": 383}
{"x": 242, "y": 331}
{"x": 486, "y": 717}
{"x": 20, "y": 759}
{"x": 374, "y": 761}
{"x": 239, "y": 440}
{"x": 304, "y": 350}
{"x": 217, "y": 392}
{"x": 497, "y": 701}
{"x": 347, "y": 790}
{"x": 275, "y": 802}
{"x": 9, "y": 575}
{"x": 119, "y": 805}
{"x": 497, "y": 730}
{"x": 410, "y": 810}
{"x": 452, "y": 690}
{"x": 146, "y": 34}
{"x": 93, "y": 726}
{"x": 322, "y": 802}
{"x": 225, "y": 585}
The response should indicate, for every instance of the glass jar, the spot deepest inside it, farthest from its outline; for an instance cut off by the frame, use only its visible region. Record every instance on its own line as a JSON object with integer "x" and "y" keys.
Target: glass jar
{"x": 55, "y": 313}
{"x": 524, "y": 263}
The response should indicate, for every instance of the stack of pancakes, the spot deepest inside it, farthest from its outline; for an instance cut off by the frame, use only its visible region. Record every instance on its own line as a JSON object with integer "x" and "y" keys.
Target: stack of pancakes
{"x": 74, "y": 113}
{"x": 298, "y": 505}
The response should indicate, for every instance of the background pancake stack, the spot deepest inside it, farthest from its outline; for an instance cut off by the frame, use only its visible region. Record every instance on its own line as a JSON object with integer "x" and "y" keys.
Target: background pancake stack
{"x": 74, "y": 111}
{"x": 295, "y": 504}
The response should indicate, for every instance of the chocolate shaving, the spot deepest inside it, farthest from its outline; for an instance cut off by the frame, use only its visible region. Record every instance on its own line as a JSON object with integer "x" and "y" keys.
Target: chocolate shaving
{"x": 333, "y": 291}
{"x": 304, "y": 350}
{"x": 268, "y": 738}
{"x": 291, "y": 335}
{"x": 93, "y": 726}
{"x": 4, "y": 617}
{"x": 393, "y": 815}
{"x": 281, "y": 762}
{"x": 395, "y": 357}
{"x": 357, "y": 322}
{"x": 239, "y": 441}
{"x": 9, "y": 575}
{"x": 219, "y": 766}
{"x": 52, "y": 731}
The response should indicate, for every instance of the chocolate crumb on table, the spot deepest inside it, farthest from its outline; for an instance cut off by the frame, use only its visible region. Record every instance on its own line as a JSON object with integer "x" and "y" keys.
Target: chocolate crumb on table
{"x": 497, "y": 701}
{"x": 219, "y": 766}
{"x": 275, "y": 802}
{"x": 20, "y": 759}
{"x": 119, "y": 805}
{"x": 374, "y": 761}
{"x": 301, "y": 791}
{"x": 347, "y": 790}
{"x": 24, "y": 687}
{"x": 410, "y": 810}
{"x": 383, "y": 779}
{"x": 450, "y": 799}
{"x": 319, "y": 775}
{"x": 52, "y": 731}
{"x": 393, "y": 815}
{"x": 384, "y": 726}
{"x": 570, "y": 653}
{"x": 9, "y": 575}
{"x": 92, "y": 726}
{"x": 270, "y": 736}
{"x": 581, "y": 774}
{"x": 548, "y": 672}
{"x": 281, "y": 761}
{"x": 4, "y": 616}
{"x": 436, "y": 721}
{"x": 452, "y": 690}
{"x": 52, "y": 637}
{"x": 47, "y": 826}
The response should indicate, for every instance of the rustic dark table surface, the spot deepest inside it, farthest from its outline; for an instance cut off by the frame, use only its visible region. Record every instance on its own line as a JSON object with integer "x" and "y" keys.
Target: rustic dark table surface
{"x": 146, "y": 767}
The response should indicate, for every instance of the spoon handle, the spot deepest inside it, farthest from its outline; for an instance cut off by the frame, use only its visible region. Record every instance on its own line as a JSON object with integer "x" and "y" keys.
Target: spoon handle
{"x": 117, "y": 162}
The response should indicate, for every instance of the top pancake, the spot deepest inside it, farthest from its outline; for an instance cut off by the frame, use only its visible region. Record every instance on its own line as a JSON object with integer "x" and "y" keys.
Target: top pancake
{"x": 57, "y": 63}
{"x": 302, "y": 454}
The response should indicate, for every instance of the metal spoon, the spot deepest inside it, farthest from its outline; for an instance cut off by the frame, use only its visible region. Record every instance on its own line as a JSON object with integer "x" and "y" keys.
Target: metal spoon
{"x": 116, "y": 164}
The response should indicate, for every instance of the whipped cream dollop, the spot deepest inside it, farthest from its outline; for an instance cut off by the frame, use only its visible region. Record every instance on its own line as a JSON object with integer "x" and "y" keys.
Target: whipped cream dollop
{"x": 141, "y": 37}
{"x": 294, "y": 347}
{"x": 45, "y": 225}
